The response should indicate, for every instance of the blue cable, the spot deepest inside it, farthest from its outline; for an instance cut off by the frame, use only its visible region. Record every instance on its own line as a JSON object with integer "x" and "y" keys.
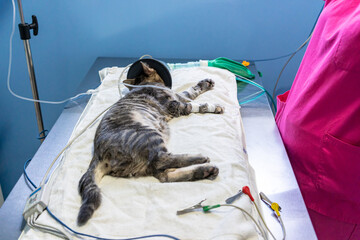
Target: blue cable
{"x": 43, "y": 132}
{"x": 26, "y": 176}
{"x": 87, "y": 235}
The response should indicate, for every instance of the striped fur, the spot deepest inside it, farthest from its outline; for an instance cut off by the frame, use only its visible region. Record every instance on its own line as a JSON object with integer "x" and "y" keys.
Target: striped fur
{"x": 130, "y": 140}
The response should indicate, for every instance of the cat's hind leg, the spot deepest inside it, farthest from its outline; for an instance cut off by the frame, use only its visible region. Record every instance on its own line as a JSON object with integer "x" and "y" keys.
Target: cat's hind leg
{"x": 201, "y": 87}
{"x": 183, "y": 167}
{"x": 166, "y": 160}
{"x": 190, "y": 173}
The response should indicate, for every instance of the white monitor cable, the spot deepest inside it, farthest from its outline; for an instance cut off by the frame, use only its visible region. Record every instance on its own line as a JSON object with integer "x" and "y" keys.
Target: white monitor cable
{"x": 90, "y": 91}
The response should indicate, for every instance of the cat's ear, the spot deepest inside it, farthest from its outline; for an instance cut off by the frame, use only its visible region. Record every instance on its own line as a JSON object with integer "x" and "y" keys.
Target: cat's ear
{"x": 147, "y": 70}
{"x": 129, "y": 81}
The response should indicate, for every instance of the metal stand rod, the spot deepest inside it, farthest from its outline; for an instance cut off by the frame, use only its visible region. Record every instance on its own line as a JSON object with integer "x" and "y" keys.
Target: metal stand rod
{"x": 32, "y": 79}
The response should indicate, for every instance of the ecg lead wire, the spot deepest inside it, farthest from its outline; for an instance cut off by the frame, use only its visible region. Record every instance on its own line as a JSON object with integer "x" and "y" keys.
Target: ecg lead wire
{"x": 249, "y": 215}
{"x": 48, "y": 229}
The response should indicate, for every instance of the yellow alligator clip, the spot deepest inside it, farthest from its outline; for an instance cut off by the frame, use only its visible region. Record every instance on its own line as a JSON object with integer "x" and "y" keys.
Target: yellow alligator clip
{"x": 273, "y": 205}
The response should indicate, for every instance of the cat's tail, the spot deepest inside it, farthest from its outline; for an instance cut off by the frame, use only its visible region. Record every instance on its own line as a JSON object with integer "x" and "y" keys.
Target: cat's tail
{"x": 89, "y": 192}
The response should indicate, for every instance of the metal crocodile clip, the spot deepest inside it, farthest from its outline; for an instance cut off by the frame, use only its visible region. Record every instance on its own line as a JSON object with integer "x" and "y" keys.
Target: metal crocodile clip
{"x": 266, "y": 200}
{"x": 191, "y": 209}
{"x": 230, "y": 200}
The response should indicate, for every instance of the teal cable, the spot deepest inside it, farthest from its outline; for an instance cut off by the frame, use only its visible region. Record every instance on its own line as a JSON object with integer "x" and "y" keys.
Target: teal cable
{"x": 252, "y": 99}
{"x": 250, "y": 82}
{"x": 242, "y": 79}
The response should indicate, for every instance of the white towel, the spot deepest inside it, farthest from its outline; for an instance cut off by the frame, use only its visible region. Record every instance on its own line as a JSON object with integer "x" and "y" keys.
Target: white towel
{"x": 142, "y": 206}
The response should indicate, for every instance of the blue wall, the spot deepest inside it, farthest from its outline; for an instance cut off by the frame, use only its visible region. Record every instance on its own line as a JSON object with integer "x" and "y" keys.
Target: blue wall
{"x": 73, "y": 33}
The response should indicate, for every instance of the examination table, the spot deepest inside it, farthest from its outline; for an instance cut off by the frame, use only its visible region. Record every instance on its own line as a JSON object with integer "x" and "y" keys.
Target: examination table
{"x": 267, "y": 155}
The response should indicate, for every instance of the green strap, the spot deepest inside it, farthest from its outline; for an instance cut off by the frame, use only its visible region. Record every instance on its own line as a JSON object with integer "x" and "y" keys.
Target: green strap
{"x": 231, "y": 65}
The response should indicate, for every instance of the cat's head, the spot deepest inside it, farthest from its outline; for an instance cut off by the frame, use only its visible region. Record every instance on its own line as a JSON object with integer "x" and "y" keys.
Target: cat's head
{"x": 149, "y": 76}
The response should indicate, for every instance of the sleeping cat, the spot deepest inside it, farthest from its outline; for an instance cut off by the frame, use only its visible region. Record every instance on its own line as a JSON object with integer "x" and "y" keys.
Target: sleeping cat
{"x": 130, "y": 140}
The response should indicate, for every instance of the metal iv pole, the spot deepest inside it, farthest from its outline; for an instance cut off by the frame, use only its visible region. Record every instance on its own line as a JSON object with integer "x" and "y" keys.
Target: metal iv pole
{"x": 24, "y": 29}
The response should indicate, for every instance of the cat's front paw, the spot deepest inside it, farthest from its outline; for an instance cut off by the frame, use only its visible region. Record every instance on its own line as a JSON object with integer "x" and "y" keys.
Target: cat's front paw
{"x": 173, "y": 108}
{"x": 206, "y": 84}
{"x": 187, "y": 109}
{"x": 203, "y": 108}
{"x": 219, "y": 109}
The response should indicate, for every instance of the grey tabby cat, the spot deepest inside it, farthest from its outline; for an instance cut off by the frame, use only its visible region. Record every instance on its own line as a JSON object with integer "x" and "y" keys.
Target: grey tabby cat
{"x": 131, "y": 139}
